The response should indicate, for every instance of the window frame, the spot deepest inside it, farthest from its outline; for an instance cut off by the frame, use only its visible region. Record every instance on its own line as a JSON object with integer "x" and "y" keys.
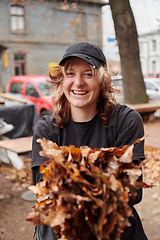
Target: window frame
{"x": 154, "y": 66}
{"x": 17, "y": 17}
{"x": 154, "y": 45}
{"x": 17, "y": 63}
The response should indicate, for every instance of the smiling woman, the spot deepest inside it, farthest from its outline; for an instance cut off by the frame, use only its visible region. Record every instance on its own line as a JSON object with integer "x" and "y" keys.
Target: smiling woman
{"x": 86, "y": 113}
{"x": 81, "y": 87}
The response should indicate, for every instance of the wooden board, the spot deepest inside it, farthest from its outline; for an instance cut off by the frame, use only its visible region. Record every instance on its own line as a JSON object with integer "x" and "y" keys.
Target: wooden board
{"x": 12, "y": 98}
{"x": 18, "y": 145}
{"x": 145, "y": 107}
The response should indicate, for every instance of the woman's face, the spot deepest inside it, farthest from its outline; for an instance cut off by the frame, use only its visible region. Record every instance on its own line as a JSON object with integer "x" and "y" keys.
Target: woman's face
{"x": 80, "y": 86}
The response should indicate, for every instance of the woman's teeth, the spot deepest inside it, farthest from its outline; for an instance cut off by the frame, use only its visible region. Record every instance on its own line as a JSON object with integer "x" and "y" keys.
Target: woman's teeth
{"x": 79, "y": 92}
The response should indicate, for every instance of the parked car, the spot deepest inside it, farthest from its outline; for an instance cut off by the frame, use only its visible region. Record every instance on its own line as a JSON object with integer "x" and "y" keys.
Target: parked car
{"x": 152, "y": 87}
{"x": 118, "y": 82}
{"x": 34, "y": 88}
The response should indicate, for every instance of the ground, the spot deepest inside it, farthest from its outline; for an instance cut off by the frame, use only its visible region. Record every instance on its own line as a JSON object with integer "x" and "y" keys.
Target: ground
{"x": 14, "y": 210}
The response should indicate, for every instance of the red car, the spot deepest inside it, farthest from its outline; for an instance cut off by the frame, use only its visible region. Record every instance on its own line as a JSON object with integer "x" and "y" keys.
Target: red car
{"x": 34, "y": 88}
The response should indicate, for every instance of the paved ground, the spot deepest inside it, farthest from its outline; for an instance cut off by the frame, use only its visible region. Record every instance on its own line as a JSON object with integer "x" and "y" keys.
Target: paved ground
{"x": 152, "y": 131}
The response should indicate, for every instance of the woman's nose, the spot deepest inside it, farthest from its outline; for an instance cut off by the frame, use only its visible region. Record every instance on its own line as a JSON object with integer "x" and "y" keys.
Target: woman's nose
{"x": 78, "y": 81}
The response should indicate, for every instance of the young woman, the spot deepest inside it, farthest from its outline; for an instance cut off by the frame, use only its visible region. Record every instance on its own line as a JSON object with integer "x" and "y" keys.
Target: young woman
{"x": 86, "y": 113}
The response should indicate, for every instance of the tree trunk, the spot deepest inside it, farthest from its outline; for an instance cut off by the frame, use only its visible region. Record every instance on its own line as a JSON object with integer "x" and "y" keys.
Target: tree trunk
{"x": 127, "y": 38}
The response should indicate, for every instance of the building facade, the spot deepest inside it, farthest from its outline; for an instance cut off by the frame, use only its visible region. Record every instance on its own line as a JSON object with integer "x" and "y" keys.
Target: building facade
{"x": 34, "y": 36}
{"x": 150, "y": 53}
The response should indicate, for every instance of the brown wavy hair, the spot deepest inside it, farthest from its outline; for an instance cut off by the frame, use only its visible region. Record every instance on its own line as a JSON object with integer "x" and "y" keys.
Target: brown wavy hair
{"x": 106, "y": 103}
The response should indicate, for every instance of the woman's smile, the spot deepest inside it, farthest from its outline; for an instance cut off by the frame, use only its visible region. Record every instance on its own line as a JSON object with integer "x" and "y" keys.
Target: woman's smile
{"x": 79, "y": 92}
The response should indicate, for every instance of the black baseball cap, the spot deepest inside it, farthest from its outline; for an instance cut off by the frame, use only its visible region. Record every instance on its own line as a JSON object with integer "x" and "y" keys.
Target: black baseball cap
{"x": 90, "y": 53}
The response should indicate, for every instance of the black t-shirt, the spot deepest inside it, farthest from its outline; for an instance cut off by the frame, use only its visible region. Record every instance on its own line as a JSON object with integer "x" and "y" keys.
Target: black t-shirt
{"x": 124, "y": 127}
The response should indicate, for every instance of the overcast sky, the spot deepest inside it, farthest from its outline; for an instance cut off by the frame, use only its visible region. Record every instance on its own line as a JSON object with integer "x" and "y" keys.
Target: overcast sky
{"x": 147, "y": 18}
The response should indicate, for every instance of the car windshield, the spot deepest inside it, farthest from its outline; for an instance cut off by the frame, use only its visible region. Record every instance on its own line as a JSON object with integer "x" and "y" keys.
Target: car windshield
{"x": 44, "y": 87}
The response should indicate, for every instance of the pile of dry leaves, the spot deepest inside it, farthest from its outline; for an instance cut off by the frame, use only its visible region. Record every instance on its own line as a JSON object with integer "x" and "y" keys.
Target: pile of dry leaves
{"x": 151, "y": 166}
{"x": 85, "y": 191}
{"x": 21, "y": 178}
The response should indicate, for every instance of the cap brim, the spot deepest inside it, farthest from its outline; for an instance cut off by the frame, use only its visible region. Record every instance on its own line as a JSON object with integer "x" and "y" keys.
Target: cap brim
{"x": 90, "y": 60}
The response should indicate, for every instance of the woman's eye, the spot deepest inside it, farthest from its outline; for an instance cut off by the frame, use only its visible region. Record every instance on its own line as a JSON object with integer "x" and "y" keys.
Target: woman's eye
{"x": 88, "y": 75}
{"x": 69, "y": 74}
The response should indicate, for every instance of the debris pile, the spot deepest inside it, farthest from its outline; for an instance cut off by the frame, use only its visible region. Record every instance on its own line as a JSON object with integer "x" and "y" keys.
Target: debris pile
{"x": 151, "y": 167}
{"x": 21, "y": 178}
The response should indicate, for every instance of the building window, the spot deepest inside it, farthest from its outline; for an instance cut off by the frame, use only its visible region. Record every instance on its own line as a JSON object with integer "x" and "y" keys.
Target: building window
{"x": 141, "y": 46}
{"x": 153, "y": 66}
{"x": 19, "y": 64}
{"x": 17, "y": 14}
{"x": 154, "y": 45}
